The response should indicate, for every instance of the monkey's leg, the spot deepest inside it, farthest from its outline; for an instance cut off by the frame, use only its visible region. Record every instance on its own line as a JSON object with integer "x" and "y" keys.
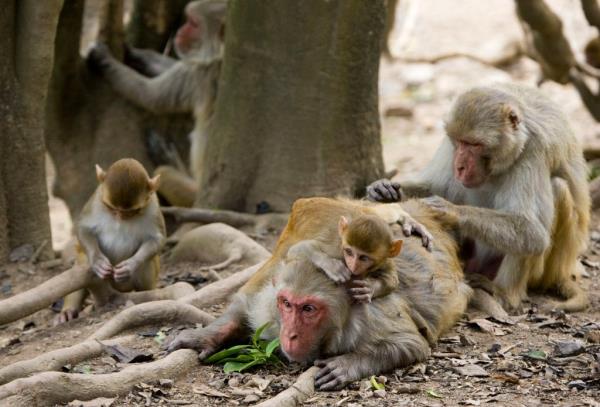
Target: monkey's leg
{"x": 562, "y": 268}
{"x": 72, "y": 304}
{"x": 512, "y": 277}
{"x": 146, "y": 278}
{"x": 177, "y": 188}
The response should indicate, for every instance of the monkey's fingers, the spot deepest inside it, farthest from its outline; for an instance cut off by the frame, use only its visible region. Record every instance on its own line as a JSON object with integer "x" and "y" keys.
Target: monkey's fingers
{"x": 360, "y": 290}
{"x": 362, "y": 299}
{"x": 329, "y": 377}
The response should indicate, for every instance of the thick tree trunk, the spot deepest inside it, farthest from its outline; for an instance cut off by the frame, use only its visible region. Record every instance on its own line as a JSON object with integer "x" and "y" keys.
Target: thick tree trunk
{"x": 297, "y": 111}
{"x": 87, "y": 121}
{"x": 26, "y": 50}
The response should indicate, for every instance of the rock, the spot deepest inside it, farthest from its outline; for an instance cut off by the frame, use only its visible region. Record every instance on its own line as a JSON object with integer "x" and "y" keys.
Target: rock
{"x": 379, "y": 393}
{"x": 471, "y": 371}
{"x": 21, "y": 253}
{"x": 568, "y": 348}
{"x": 577, "y": 384}
{"x": 168, "y": 383}
{"x": 251, "y": 398}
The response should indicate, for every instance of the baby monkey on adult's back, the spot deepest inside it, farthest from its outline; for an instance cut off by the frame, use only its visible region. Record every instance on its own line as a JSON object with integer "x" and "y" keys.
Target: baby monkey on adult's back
{"x": 121, "y": 231}
{"x": 363, "y": 249}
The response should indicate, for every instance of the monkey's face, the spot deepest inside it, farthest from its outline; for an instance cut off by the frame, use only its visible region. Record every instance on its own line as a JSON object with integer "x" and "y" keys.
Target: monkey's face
{"x": 189, "y": 35}
{"x": 357, "y": 261}
{"x": 303, "y": 321}
{"x": 470, "y": 164}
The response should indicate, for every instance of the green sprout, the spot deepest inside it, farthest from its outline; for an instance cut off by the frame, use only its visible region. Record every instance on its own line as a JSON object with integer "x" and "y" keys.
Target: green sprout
{"x": 242, "y": 357}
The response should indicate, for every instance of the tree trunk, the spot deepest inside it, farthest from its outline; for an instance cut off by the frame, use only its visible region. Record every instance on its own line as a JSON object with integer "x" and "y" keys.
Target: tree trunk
{"x": 87, "y": 122}
{"x": 26, "y": 50}
{"x": 297, "y": 111}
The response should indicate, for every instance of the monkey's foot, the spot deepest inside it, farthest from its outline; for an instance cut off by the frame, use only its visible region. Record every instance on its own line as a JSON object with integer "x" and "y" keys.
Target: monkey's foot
{"x": 66, "y": 316}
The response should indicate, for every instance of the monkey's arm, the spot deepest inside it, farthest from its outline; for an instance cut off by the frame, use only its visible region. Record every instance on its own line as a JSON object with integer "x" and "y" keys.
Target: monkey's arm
{"x": 518, "y": 232}
{"x": 384, "y": 280}
{"x": 313, "y": 251}
{"x": 147, "y": 62}
{"x": 403, "y": 346}
{"x": 98, "y": 262}
{"x": 148, "y": 249}
{"x": 171, "y": 92}
{"x": 384, "y": 190}
{"x": 231, "y": 326}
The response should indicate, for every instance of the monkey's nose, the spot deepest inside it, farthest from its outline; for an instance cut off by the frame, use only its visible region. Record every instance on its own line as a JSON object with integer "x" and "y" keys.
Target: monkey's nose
{"x": 293, "y": 336}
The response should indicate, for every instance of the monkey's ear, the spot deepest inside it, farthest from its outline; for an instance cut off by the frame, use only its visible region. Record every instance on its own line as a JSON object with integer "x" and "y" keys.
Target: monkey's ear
{"x": 100, "y": 174}
{"x": 511, "y": 115}
{"x": 153, "y": 183}
{"x": 342, "y": 225}
{"x": 395, "y": 248}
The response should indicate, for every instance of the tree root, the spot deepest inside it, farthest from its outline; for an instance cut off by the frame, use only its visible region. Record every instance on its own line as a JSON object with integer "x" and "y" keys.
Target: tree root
{"x": 50, "y": 388}
{"x": 56, "y": 359}
{"x": 155, "y": 312}
{"x": 297, "y": 394}
{"x": 40, "y": 297}
{"x": 171, "y": 292}
{"x": 221, "y": 290}
{"x": 182, "y": 310}
{"x": 260, "y": 223}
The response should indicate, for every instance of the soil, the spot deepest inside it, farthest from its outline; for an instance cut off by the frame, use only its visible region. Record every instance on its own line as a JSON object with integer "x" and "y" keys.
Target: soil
{"x": 515, "y": 360}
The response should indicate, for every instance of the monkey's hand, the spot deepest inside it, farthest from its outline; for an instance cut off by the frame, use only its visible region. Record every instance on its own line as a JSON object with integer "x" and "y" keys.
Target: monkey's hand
{"x": 412, "y": 227}
{"x": 198, "y": 339}
{"x": 384, "y": 190}
{"x": 125, "y": 269}
{"x": 361, "y": 291}
{"x": 98, "y": 58}
{"x": 445, "y": 210}
{"x": 335, "y": 269}
{"x": 334, "y": 373}
{"x": 101, "y": 267}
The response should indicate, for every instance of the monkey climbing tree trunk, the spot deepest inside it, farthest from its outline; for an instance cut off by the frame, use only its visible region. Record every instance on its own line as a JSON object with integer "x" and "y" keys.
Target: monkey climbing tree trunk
{"x": 297, "y": 110}
{"x": 27, "y": 32}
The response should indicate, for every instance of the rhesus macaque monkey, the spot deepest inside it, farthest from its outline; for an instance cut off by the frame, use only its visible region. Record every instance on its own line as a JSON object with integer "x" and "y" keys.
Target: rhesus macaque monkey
{"x": 314, "y": 317}
{"x": 121, "y": 231}
{"x": 362, "y": 250}
{"x": 515, "y": 181}
{"x": 188, "y": 85}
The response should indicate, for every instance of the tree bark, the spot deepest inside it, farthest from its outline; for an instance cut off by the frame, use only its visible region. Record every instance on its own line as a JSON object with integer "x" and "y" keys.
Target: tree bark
{"x": 297, "y": 111}
{"x": 26, "y": 49}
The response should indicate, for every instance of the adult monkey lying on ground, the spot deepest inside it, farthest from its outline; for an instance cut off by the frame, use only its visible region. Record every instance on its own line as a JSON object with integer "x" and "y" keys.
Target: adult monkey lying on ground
{"x": 188, "y": 85}
{"x": 314, "y": 317}
{"x": 515, "y": 177}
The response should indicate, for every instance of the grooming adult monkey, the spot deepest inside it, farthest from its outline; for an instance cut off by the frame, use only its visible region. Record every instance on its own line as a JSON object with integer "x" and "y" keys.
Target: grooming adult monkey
{"x": 314, "y": 317}
{"x": 364, "y": 249}
{"x": 121, "y": 231}
{"x": 188, "y": 85}
{"x": 515, "y": 181}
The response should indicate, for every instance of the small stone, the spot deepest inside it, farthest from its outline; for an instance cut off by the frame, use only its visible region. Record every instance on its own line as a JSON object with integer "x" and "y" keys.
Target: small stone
{"x": 577, "y": 384}
{"x": 168, "y": 383}
{"x": 217, "y": 384}
{"x": 380, "y": 394}
{"x": 251, "y": 398}
{"x": 471, "y": 371}
{"x": 568, "y": 348}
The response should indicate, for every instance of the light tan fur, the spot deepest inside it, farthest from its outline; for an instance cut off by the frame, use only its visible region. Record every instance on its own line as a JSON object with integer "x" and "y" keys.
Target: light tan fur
{"x": 534, "y": 206}
{"x": 133, "y": 242}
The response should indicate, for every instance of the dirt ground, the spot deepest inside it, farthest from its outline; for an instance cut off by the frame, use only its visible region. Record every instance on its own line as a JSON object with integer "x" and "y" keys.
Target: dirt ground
{"x": 520, "y": 362}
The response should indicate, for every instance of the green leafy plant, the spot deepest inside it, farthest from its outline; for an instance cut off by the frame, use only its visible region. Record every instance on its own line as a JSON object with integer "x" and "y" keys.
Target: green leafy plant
{"x": 242, "y": 357}
{"x": 375, "y": 384}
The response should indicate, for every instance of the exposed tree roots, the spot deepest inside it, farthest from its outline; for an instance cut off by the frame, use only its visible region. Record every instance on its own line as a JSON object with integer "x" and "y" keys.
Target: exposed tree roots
{"x": 40, "y": 297}
{"x": 50, "y": 388}
{"x": 236, "y": 219}
{"x": 56, "y": 359}
{"x": 150, "y": 313}
{"x": 297, "y": 394}
{"x": 171, "y": 292}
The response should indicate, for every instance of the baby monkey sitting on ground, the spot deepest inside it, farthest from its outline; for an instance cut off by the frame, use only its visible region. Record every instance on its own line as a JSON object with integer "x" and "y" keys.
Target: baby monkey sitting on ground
{"x": 361, "y": 256}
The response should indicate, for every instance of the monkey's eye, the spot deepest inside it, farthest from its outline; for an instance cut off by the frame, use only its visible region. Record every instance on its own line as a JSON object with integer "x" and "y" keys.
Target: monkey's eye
{"x": 364, "y": 258}
{"x": 286, "y": 303}
{"x": 348, "y": 251}
{"x": 309, "y": 308}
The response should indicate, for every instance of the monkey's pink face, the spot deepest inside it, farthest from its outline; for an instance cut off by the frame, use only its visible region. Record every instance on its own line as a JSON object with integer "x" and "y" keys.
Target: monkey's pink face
{"x": 188, "y": 34}
{"x": 357, "y": 261}
{"x": 302, "y": 323}
{"x": 469, "y": 164}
